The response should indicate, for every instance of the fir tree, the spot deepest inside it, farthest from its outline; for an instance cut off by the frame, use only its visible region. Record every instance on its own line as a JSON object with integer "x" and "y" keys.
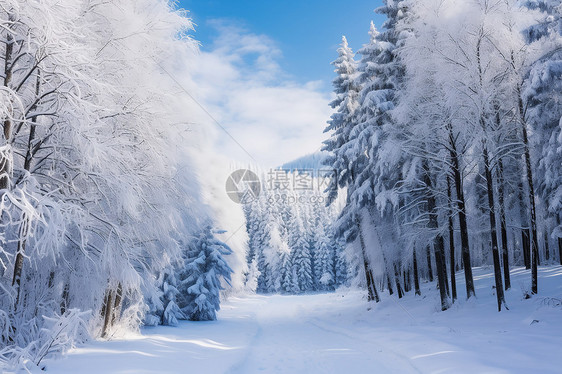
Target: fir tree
{"x": 342, "y": 120}
{"x": 200, "y": 280}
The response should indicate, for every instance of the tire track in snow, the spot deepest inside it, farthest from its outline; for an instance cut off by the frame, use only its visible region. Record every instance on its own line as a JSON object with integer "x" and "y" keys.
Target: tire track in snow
{"x": 354, "y": 337}
{"x": 241, "y": 365}
{"x": 302, "y": 342}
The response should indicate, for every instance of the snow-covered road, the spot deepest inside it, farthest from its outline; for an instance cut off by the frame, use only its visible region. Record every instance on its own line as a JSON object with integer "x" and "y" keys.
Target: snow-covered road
{"x": 269, "y": 334}
{"x": 336, "y": 333}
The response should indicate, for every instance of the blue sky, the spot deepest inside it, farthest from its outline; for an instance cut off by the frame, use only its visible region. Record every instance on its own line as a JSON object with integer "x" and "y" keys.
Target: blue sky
{"x": 307, "y": 32}
{"x": 264, "y": 72}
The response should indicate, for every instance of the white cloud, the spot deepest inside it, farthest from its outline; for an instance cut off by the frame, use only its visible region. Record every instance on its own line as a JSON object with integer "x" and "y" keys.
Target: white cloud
{"x": 273, "y": 117}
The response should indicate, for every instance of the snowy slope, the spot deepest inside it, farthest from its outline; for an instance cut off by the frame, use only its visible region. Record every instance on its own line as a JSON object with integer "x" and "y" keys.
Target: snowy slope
{"x": 342, "y": 333}
{"x": 311, "y": 161}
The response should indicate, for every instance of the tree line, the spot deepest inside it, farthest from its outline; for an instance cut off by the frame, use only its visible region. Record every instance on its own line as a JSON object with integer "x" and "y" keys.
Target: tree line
{"x": 292, "y": 248}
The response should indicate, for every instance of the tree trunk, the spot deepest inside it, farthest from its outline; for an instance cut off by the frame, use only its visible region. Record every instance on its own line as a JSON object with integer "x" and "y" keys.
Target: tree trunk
{"x": 438, "y": 244}
{"x": 409, "y": 275}
{"x": 451, "y": 242}
{"x": 407, "y": 284}
{"x": 430, "y": 272}
{"x": 526, "y": 244}
{"x": 559, "y": 241}
{"x": 491, "y": 206}
{"x": 388, "y": 270}
{"x": 371, "y": 287}
{"x": 503, "y": 226}
{"x": 397, "y": 280}
{"x": 65, "y": 298}
{"x": 30, "y": 151}
{"x": 445, "y": 275}
{"x": 416, "y": 274}
{"x": 439, "y": 247}
{"x": 51, "y": 281}
{"x": 117, "y": 304}
{"x": 106, "y": 312}
{"x": 461, "y": 207}
{"x": 523, "y": 216}
{"x": 546, "y": 247}
{"x": 18, "y": 267}
{"x": 24, "y": 226}
{"x": 5, "y": 167}
{"x": 533, "y": 210}
{"x": 389, "y": 284}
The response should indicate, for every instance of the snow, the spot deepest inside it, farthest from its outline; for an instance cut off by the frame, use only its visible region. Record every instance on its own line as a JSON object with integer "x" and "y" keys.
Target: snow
{"x": 342, "y": 333}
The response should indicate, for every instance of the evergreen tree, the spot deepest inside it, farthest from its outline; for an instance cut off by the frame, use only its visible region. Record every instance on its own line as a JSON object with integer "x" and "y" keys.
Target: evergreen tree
{"x": 287, "y": 238}
{"x": 325, "y": 263}
{"x": 342, "y": 120}
{"x": 200, "y": 280}
{"x": 300, "y": 253}
{"x": 172, "y": 312}
{"x": 341, "y": 268}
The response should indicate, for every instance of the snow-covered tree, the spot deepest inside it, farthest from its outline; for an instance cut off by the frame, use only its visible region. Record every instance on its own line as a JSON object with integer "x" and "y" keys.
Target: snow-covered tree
{"x": 92, "y": 206}
{"x": 542, "y": 98}
{"x": 200, "y": 279}
{"x": 342, "y": 120}
{"x": 290, "y": 227}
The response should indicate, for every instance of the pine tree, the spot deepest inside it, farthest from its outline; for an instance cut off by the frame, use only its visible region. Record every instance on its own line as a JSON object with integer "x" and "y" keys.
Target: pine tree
{"x": 346, "y": 155}
{"x": 287, "y": 279}
{"x": 172, "y": 312}
{"x": 200, "y": 280}
{"x": 301, "y": 257}
{"x": 251, "y": 282}
{"x": 325, "y": 262}
{"x": 341, "y": 270}
{"x": 342, "y": 120}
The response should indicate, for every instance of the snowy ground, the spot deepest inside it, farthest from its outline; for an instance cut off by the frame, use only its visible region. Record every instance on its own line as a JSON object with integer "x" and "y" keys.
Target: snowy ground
{"x": 337, "y": 333}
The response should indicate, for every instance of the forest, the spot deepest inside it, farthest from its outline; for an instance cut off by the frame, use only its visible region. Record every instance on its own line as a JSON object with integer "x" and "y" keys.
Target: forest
{"x": 442, "y": 157}
{"x": 446, "y": 135}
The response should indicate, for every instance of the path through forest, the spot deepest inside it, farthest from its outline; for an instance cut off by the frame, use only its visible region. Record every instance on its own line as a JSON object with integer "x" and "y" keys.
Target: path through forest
{"x": 336, "y": 333}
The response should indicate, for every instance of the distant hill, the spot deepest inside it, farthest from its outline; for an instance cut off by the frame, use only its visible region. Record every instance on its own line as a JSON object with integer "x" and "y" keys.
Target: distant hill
{"x": 310, "y": 161}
